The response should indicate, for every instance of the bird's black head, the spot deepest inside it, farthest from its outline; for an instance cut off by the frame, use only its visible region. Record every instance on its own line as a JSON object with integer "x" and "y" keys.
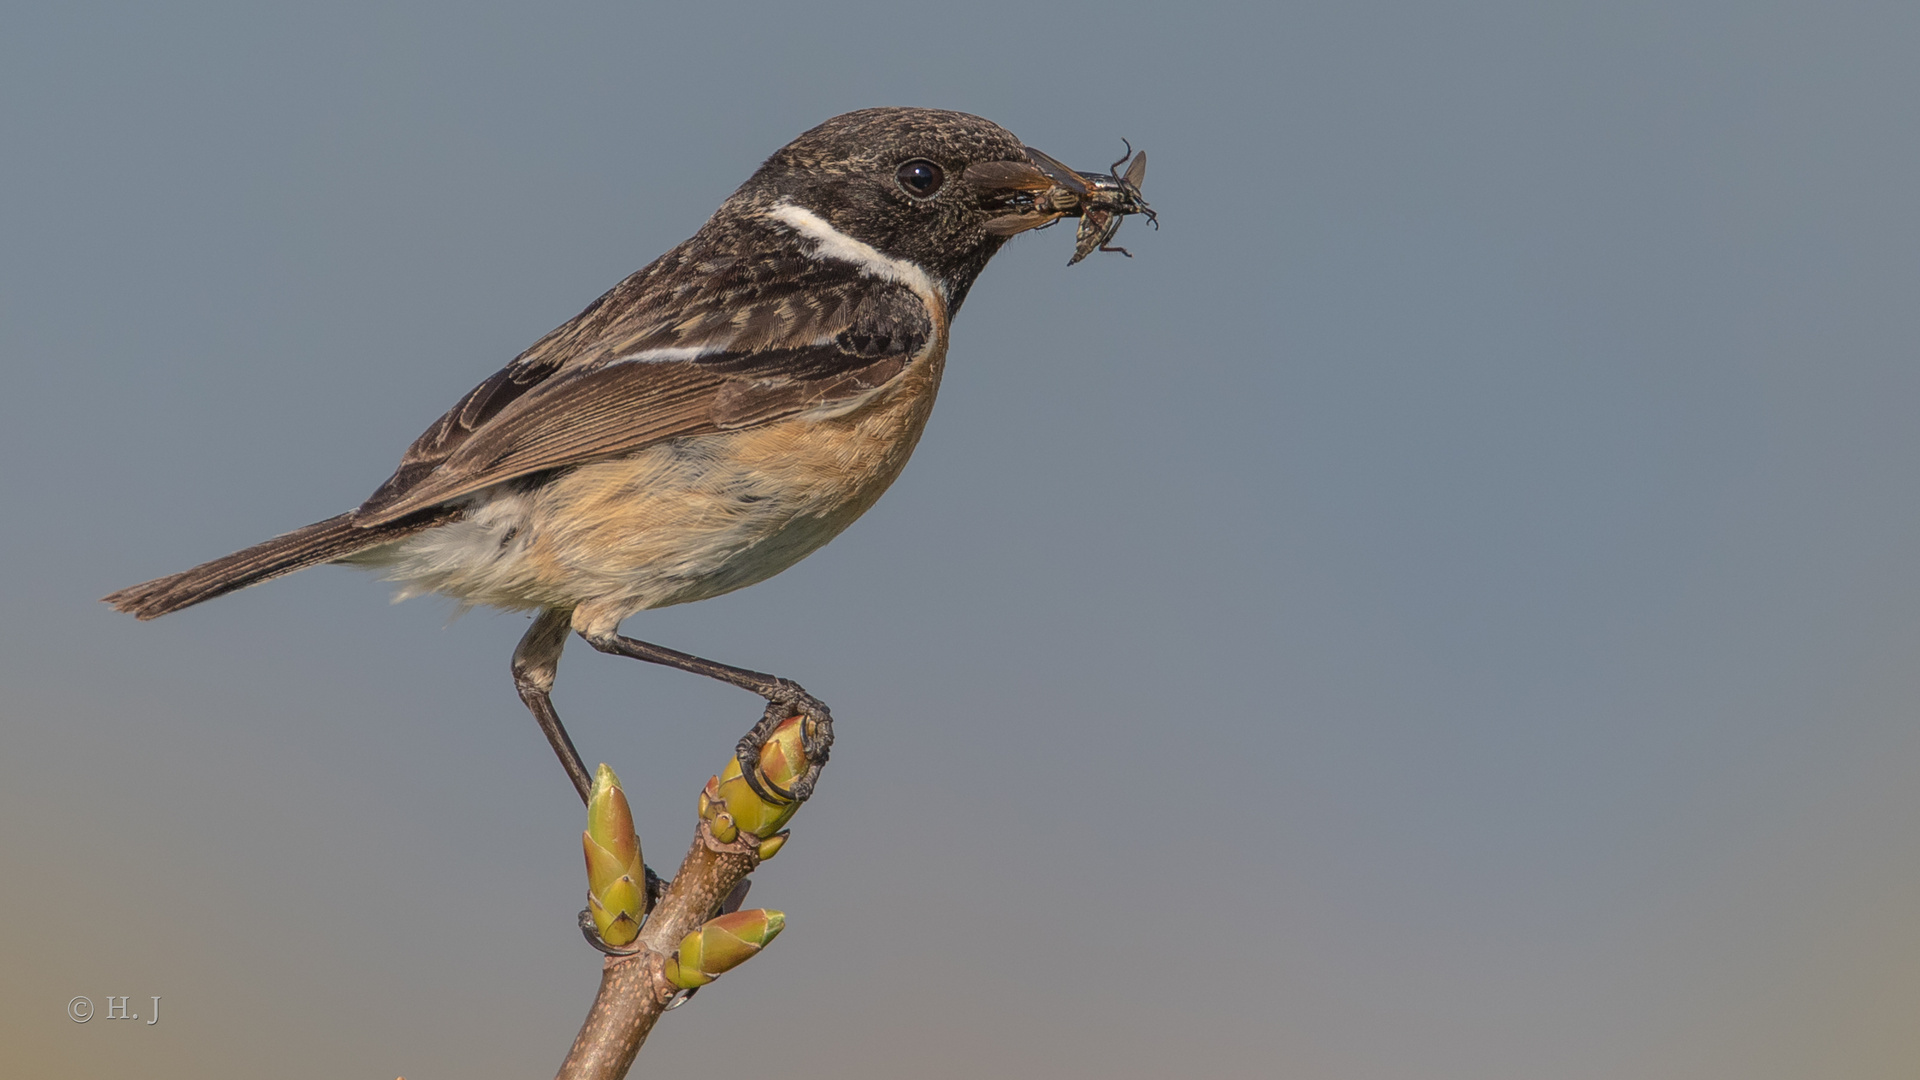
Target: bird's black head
{"x": 896, "y": 180}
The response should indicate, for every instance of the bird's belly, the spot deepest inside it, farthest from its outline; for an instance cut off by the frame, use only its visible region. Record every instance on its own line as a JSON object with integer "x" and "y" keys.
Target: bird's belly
{"x": 681, "y": 520}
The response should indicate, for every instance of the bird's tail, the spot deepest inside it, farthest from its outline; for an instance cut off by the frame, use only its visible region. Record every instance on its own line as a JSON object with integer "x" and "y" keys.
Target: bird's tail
{"x": 320, "y": 542}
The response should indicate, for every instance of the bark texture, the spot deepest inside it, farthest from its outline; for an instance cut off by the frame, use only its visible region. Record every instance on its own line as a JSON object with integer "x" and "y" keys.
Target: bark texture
{"x": 633, "y": 992}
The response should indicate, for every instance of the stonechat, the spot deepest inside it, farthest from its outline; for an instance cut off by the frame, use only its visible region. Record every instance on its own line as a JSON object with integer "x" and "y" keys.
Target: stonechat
{"x": 709, "y": 422}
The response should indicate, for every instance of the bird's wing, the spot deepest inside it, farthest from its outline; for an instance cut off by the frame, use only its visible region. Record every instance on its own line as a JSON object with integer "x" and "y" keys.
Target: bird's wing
{"x": 741, "y": 350}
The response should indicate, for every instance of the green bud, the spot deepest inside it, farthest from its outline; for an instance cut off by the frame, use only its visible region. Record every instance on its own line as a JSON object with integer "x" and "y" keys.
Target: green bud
{"x": 722, "y": 945}
{"x": 616, "y": 877}
{"x": 782, "y": 762}
{"x": 771, "y": 845}
{"x": 681, "y": 977}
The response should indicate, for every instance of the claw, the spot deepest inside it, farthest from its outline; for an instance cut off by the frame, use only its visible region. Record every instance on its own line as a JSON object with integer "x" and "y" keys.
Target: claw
{"x": 816, "y": 737}
{"x": 816, "y": 742}
{"x": 748, "y": 752}
{"x": 763, "y": 787}
{"x": 751, "y": 795}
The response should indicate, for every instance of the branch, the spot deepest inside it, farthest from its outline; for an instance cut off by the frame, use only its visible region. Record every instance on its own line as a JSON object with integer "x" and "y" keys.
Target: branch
{"x": 727, "y": 845}
{"x": 633, "y": 989}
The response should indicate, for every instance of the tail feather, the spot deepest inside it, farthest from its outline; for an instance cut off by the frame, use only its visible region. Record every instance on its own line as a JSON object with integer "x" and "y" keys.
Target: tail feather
{"x": 320, "y": 542}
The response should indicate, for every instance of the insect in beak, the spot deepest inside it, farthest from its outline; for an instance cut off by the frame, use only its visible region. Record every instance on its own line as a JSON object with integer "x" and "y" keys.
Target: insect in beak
{"x": 1038, "y": 194}
{"x": 1112, "y": 196}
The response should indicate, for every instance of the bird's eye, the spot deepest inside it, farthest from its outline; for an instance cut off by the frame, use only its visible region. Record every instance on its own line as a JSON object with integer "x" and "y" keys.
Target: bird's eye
{"x": 921, "y": 178}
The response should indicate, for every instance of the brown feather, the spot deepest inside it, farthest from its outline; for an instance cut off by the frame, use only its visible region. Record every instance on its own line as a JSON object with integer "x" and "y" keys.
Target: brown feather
{"x": 841, "y": 338}
{"x": 321, "y": 542}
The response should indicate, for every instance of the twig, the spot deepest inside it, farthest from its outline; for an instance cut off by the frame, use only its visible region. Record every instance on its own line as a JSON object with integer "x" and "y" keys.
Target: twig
{"x": 633, "y": 989}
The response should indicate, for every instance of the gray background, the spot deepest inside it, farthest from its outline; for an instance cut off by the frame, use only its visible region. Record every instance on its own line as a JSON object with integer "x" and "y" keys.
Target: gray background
{"x": 1444, "y": 609}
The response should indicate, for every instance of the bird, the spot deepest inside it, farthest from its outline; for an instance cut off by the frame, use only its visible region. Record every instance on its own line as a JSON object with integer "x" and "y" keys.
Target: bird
{"x": 708, "y": 422}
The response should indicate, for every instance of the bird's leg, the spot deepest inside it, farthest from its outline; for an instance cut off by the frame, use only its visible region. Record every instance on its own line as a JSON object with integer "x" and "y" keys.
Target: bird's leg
{"x": 784, "y": 698}
{"x": 535, "y": 660}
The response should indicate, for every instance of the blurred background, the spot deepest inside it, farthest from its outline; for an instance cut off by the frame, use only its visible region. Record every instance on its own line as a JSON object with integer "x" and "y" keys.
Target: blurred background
{"x": 1445, "y": 608}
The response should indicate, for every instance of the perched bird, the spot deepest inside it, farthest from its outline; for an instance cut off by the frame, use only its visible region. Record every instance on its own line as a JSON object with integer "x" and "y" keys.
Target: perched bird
{"x": 709, "y": 422}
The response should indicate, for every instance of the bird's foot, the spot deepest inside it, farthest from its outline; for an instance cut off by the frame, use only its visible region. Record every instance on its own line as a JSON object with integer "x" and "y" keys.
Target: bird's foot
{"x": 816, "y": 742}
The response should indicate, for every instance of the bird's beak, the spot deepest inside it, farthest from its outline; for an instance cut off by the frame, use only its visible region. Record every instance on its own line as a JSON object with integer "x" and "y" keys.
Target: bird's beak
{"x": 1018, "y": 195}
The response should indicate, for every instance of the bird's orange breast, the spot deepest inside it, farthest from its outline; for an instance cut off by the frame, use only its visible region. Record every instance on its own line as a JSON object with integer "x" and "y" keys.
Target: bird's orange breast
{"x": 700, "y": 516}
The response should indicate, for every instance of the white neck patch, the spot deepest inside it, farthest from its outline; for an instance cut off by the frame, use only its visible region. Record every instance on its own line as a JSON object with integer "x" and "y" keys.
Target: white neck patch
{"x": 831, "y": 243}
